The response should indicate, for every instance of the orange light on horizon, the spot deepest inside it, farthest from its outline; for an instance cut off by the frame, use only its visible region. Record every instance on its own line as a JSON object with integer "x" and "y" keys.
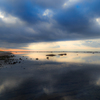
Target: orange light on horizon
{"x": 13, "y": 50}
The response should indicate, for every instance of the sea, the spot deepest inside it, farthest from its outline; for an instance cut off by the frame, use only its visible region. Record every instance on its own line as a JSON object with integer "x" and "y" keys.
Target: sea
{"x": 51, "y": 75}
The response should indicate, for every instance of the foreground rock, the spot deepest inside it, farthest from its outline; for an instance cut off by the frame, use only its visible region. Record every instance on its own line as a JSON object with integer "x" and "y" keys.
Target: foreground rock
{"x": 7, "y": 58}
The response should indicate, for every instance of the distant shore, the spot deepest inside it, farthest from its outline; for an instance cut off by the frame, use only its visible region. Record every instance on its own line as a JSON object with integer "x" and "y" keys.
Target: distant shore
{"x": 3, "y": 53}
{"x": 60, "y": 51}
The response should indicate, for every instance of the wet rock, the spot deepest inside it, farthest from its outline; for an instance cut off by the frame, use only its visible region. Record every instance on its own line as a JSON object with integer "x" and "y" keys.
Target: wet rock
{"x": 37, "y": 59}
{"x": 20, "y": 59}
{"x": 50, "y": 55}
{"x": 47, "y": 57}
{"x": 65, "y": 54}
{"x": 62, "y": 54}
{"x": 14, "y": 62}
{"x": 8, "y": 59}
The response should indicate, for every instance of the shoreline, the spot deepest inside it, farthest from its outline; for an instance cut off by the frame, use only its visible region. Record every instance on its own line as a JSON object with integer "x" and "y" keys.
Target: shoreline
{"x": 3, "y": 53}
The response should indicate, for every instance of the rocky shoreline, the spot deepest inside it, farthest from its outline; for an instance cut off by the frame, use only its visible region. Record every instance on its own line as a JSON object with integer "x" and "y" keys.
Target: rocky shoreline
{"x": 8, "y": 59}
{"x": 4, "y": 53}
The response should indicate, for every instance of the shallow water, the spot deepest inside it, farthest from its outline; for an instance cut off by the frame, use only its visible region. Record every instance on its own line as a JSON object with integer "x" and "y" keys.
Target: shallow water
{"x": 75, "y": 76}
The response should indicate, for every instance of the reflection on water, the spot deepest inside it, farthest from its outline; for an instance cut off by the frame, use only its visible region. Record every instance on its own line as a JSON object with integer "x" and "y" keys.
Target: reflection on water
{"x": 89, "y": 58}
{"x": 75, "y": 76}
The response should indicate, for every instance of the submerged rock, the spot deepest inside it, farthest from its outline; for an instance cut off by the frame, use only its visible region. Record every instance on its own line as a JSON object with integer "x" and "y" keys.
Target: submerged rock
{"x": 51, "y": 55}
{"x": 20, "y": 58}
{"x": 47, "y": 57}
{"x": 62, "y": 54}
{"x": 37, "y": 59}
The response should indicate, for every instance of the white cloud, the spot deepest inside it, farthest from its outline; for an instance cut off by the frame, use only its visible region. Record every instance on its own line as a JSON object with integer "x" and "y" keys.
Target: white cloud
{"x": 30, "y": 30}
{"x": 1, "y": 15}
{"x": 48, "y": 13}
{"x": 70, "y": 3}
{"x": 79, "y": 45}
{"x": 9, "y": 19}
{"x": 98, "y": 20}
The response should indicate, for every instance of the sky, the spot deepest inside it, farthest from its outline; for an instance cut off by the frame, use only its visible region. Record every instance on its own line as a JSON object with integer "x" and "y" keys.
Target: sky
{"x": 50, "y": 25}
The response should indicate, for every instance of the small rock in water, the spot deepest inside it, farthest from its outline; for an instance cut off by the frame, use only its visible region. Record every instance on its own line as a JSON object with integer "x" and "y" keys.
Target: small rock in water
{"x": 20, "y": 59}
{"x": 36, "y": 58}
{"x": 65, "y": 54}
{"x": 14, "y": 62}
{"x": 62, "y": 54}
{"x": 50, "y": 55}
{"x": 47, "y": 57}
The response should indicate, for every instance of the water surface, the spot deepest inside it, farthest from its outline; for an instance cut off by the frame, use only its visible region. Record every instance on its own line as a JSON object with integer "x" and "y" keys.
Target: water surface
{"x": 74, "y": 76}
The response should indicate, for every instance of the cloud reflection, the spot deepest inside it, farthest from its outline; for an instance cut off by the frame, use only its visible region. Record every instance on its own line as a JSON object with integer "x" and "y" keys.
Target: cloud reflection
{"x": 50, "y": 80}
{"x": 89, "y": 58}
{"x": 8, "y": 85}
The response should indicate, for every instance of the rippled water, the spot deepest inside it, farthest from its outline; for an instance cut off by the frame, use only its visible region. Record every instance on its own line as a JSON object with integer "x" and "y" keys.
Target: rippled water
{"x": 74, "y": 76}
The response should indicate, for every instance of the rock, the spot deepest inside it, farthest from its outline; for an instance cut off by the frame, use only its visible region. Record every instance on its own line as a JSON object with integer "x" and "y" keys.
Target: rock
{"x": 36, "y": 58}
{"x": 14, "y": 62}
{"x": 20, "y": 59}
{"x": 47, "y": 57}
{"x": 51, "y": 55}
{"x": 62, "y": 54}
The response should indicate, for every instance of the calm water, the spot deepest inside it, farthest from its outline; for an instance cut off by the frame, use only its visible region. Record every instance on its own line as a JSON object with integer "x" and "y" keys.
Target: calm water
{"x": 75, "y": 76}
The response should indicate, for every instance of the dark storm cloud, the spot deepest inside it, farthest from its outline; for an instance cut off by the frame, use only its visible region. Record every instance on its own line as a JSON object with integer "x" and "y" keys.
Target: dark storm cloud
{"x": 50, "y": 3}
{"x": 24, "y": 10}
{"x": 77, "y": 20}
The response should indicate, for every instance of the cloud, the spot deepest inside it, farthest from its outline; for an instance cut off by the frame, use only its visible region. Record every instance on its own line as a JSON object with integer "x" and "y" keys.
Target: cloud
{"x": 69, "y": 3}
{"x": 92, "y": 43}
{"x": 55, "y": 4}
{"x": 48, "y": 13}
{"x": 31, "y": 21}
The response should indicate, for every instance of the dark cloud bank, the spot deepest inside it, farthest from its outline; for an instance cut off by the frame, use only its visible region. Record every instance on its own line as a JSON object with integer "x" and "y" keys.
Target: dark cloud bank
{"x": 73, "y": 22}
